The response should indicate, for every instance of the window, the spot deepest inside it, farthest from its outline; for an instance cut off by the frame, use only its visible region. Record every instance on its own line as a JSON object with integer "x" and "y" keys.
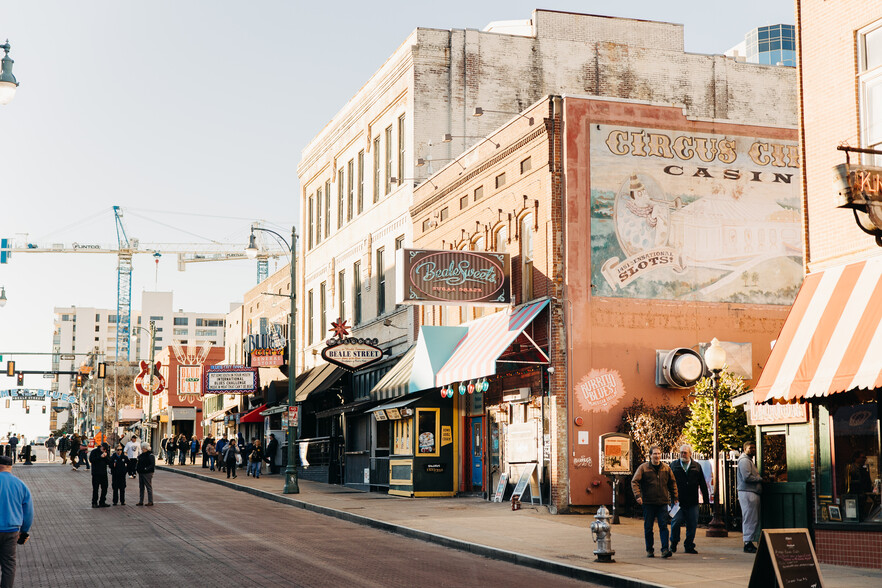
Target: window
{"x": 401, "y": 144}
{"x": 870, "y": 81}
{"x": 526, "y": 165}
{"x": 356, "y": 293}
{"x": 427, "y": 224}
{"x": 341, "y": 293}
{"x": 327, "y": 208}
{"x": 855, "y": 460}
{"x": 500, "y": 181}
{"x": 204, "y": 333}
{"x": 389, "y": 159}
{"x": 311, "y": 224}
{"x": 445, "y": 212}
{"x": 399, "y": 242}
{"x": 310, "y": 319}
{"x": 360, "y": 181}
{"x": 479, "y": 245}
{"x": 208, "y": 323}
{"x": 156, "y": 318}
{"x": 340, "y": 198}
{"x": 318, "y": 216}
{"x": 527, "y": 258}
{"x": 464, "y": 201}
{"x": 180, "y": 320}
{"x": 377, "y": 169}
{"x": 350, "y": 169}
{"x": 428, "y": 443}
{"x": 181, "y": 331}
{"x": 479, "y": 193}
{"x": 381, "y": 282}
{"x": 97, "y": 328}
{"x": 98, "y": 317}
{"x": 403, "y": 437}
{"x": 323, "y": 308}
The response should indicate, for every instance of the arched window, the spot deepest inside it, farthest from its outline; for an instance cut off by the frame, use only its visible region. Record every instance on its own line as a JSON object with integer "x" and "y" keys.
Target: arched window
{"x": 479, "y": 244}
{"x": 501, "y": 239}
{"x": 526, "y": 234}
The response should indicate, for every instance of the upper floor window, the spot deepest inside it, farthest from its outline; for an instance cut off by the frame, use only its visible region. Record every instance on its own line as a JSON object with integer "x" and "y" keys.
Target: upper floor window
{"x": 356, "y": 293}
{"x": 389, "y": 159}
{"x": 870, "y": 79}
{"x": 341, "y": 294}
{"x": 500, "y": 180}
{"x": 311, "y": 230}
{"x": 401, "y": 143}
{"x": 377, "y": 170}
{"x": 501, "y": 240}
{"x": 318, "y": 216}
{"x": 340, "y": 203}
{"x": 323, "y": 308}
{"x": 526, "y": 234}
{"x": 310, "y": 319}
{"x": 181, "y": 320}
{"x": 360, "y": 181}
{"x": 445, "y": 212}
{"x": 526, "y": 165}
{"x": 479, "y": 193}
{"x": 350, "y": 201}
{"x": 464, "y": 201}
{"x": 381, "y": 281}
{"x": 327, "y": 208}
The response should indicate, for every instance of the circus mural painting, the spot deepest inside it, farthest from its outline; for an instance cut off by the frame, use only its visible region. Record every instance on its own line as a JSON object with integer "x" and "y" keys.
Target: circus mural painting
{"x": 693, "y": 216}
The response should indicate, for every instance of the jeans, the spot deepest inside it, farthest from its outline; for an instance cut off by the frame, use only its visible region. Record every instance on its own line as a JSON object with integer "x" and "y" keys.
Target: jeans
{"x": 183, "y": 455}
{"x": 7, "y": 558}
{"x": 651, "y": 514}
{"x": 192, "y": 458}
{"x": 211, "y": 459}
{"x": 687, "y": 515}
{"x": 145, "y": 482}
{"x": 254, "y": 468}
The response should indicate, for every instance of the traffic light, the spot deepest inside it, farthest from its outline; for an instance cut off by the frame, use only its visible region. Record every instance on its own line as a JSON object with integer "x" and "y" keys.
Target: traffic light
{"x": 79, "y": 380}
{"x": 10, "y": 368}
{"x": 102, "y": 370}
{"x": 20, "y": 379}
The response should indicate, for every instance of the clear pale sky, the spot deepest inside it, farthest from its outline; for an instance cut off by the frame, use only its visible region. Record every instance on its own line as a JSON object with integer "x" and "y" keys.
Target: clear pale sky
{"x": 201, "y": 108}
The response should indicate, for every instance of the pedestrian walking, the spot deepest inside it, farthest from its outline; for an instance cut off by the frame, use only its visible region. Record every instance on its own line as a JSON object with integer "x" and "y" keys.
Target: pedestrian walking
{"x": 246, "y": 456}
{"x": 132, "y": 449}
{"x": 211, "y": 453}
{"x": 170, "y": 450}
{"x": 100, "y": 460}
{"x": 255, "y": 458}
{"x": 220, "y": 446}
{"x": 690, "y": 480}
{"x": 146, "y": 466}
{"x": 16, "y": 517}
{"x": 50, "y": 448}
{"x": 205, "y": 443}
{"x": 75, "y": 452}
{"x": 271, "y": 449}
{"x": 749, "y": 486}
{"x": 183, "y": 449}
{"x": 655, "y": 489}
{"x": 82, "y": 455}
{"x": 119, "y": 470}
{"x": 63, "y": 448}
{"x": 194, "y": 449}
{"x": 13, "y": 446}
{"x": 231, "y": 457}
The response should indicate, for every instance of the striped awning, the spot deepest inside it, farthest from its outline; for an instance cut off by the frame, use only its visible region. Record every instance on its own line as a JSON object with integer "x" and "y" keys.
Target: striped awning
{"x": 395, "y": 382}
{"x": 487, "y": 338}
{"x": 832, "y": 338}
{"x": 317, "y": 379}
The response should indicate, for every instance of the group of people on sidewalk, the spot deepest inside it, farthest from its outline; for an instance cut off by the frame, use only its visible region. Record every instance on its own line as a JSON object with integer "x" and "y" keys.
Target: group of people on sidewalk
{"x": 128, "y": 459}
{"x": 227, "y": 455}
{"x": 669, "y": 495}
{"x": 180, "y": 447}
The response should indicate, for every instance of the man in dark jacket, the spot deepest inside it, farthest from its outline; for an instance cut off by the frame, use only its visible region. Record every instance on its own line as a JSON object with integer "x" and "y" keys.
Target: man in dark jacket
{"x": 75, "y": 452}
{"x": 271, "y": 448}
{"x": 690, "y": 479}
{"x": 63, "y": 448}
{"x": 119, "y": 468}
{"x": 100, "y": 460}
{"x": 146, "y": 466}
{"x": 655, "y": 489}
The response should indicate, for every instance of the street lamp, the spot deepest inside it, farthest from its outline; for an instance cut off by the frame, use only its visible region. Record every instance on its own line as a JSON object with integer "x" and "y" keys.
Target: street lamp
{"x": 252, "y": 251}
{"x": 150, "y": 387}
{"x": 2, "y": 296}
{"x": 715, "y": 359}
{"x": 8, "y": 84}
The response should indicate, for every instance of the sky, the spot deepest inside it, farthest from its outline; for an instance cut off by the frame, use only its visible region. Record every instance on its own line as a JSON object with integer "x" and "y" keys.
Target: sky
{"x": 191, "y": 116}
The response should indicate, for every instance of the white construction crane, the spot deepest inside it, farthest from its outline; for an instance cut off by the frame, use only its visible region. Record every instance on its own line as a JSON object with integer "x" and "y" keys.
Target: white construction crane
{"x": 126, "y": 248}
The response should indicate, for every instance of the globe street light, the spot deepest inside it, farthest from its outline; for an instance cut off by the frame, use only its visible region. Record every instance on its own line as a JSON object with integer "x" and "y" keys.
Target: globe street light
{"x": 715, "y": 359}
{"x": 252, "y": 251}
{"x": 8, "y": 84}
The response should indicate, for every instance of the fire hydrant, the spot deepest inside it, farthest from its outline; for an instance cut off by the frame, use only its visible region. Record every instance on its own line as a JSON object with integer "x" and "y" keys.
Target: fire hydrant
{"x": 602, "y": 534}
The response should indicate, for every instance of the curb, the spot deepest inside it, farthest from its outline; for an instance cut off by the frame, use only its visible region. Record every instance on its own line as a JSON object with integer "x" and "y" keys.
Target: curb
{"x": 583, "y": 574}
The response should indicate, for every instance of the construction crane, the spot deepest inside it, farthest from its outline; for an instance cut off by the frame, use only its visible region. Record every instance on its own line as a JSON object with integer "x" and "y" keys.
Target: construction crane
{"x": 126, "y": 248}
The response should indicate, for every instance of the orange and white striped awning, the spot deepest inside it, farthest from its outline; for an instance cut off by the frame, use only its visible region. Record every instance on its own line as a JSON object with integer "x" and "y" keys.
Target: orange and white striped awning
{"x": 832, "y": 339}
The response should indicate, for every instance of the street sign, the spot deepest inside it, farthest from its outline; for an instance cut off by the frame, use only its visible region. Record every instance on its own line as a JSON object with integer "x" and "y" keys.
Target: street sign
{"x": 67, "y": 357}
{"x": 47, "y": 376}
{"x": 293, "y": 413}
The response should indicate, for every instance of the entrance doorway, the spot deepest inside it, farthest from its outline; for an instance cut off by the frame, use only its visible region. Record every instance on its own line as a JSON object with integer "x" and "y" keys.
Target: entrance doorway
{"x": 477, "y": 458}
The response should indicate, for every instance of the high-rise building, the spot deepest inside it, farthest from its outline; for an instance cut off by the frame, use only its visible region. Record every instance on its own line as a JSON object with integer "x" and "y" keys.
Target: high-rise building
{"x": 768, "y": 45}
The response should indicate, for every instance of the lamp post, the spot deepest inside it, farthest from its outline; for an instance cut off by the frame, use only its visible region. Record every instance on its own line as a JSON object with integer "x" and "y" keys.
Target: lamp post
{"x": 2, "y": 296}
{"x": 8, "y": 83}
{"x": 715, "y": 359}
{"x": 150, "y": 386}
{"x": 252, "y": 251}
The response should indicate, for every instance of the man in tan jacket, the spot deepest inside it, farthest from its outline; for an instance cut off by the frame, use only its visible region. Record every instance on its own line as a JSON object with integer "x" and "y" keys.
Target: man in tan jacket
{"x": 655, "y": 489}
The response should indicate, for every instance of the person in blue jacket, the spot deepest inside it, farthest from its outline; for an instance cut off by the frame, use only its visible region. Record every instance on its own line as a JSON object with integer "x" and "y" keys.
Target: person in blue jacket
{"x": 16, "y": 518}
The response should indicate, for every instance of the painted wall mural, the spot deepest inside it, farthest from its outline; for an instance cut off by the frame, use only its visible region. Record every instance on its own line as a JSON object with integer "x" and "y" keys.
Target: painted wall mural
{"x": 693, "y": 216}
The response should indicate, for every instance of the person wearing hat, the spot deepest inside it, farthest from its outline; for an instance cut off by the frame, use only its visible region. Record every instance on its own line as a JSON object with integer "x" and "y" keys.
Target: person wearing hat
{"x": 16, "y": 517}
{"x": 271, "y": 448}
{"x": 146, "y": 466}
{"x": 119, "y": 467}
{"x": 100, "y": 460}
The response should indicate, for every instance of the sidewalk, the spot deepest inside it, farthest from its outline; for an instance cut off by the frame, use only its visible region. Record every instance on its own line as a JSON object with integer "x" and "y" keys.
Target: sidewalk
{"x": 557, "y": 543}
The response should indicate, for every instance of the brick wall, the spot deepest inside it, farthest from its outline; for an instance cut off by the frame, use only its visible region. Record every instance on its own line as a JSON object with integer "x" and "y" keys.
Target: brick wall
{"x": 849, "y": 548}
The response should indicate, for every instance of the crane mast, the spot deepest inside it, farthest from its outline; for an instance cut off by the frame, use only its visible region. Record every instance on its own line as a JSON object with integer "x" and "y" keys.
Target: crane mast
{"x": 123, "y": 289}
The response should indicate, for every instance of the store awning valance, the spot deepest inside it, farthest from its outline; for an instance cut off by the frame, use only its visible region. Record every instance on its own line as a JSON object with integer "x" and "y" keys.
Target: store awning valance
{"x": 832, "y": 338}
{"x": 399, "y": 403}
{"x": 487, "y": 338}
{"x": 319, "y": 379}
{"x": 253, "y": 416}
{"x": 275, "y": 410}
{"x": 357, "y": 406}
{"x": 396, "y": 381}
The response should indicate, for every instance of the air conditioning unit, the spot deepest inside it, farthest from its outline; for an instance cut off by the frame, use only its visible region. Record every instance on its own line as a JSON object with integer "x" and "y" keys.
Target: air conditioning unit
{"x": 516, "y": 395}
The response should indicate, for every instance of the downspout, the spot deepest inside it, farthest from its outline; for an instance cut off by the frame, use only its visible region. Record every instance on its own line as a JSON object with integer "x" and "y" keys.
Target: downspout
{"x": 806, "y": 251}
{"x": 559, "y": 236}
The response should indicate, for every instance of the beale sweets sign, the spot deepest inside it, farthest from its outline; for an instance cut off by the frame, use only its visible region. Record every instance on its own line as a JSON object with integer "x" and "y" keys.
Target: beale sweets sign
{"x": 453, "y": 277}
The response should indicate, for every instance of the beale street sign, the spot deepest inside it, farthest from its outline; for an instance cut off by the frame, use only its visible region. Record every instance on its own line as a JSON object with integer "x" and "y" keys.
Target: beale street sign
{"x": 453, "y": 277}
{"x": 350, "y": 353}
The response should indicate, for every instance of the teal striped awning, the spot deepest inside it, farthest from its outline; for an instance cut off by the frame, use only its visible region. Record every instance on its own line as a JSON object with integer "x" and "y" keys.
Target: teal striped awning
{"x": 396, "y": 382}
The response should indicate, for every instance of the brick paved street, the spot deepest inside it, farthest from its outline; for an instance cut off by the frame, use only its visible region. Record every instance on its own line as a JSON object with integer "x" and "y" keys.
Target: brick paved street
{"x": 204, "y": 535}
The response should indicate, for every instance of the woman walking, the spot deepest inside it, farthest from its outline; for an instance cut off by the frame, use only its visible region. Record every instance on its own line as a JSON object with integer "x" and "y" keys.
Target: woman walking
{"x": 194, "y": 449}
{"x": 146, "y": 467}
{"x": 231, "y": 454}
{"x": 211, "y": 454}
{"x": 183, "y": 449}
{"x": 255, "y": 459}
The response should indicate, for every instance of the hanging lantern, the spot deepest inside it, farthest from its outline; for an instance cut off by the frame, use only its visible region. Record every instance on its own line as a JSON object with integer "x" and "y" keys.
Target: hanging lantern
{"x": 471, "y": 387}
{"x": 450, "y": 392}
{"x": 443, "y": 392}
{"x": 462, "y": 388}
{"x": 486, "y": 385}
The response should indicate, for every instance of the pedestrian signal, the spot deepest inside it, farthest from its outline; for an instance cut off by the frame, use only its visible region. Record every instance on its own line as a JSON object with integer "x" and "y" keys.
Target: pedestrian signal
{"x": 10, "y": 368}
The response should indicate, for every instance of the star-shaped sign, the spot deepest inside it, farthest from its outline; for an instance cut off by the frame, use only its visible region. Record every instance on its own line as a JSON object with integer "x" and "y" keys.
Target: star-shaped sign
{"x": 340, "y": 328}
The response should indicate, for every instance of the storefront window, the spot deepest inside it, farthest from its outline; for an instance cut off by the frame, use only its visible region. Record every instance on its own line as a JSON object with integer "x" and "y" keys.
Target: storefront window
{"x": 856, "y": 462}
{"x": 427, "y": 431}
{"x": 774, "y": 455}
{"x": 403, "y": 437}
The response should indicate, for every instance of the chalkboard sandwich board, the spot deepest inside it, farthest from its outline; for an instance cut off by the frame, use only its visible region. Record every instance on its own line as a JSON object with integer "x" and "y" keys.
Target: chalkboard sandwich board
{"x": 786, "y": 559}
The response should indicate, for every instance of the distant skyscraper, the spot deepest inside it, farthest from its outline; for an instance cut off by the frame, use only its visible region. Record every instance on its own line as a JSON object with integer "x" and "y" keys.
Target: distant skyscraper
{"x": 769, "y": 45}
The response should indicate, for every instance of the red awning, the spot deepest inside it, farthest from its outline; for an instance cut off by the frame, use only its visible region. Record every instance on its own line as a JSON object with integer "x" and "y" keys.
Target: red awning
{"x": 831, "y": 340}
{"x": 253, "y": 416}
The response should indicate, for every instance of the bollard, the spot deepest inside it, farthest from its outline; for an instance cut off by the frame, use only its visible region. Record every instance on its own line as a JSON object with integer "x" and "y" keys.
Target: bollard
{"x": 602, "y": 534}
{"x": 515, "y": 502}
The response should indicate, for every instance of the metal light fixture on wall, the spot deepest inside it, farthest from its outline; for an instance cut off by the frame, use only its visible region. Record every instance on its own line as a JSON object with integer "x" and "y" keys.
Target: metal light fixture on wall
{"x": 480, "y": 112}
{"x": 8, "y": 83}
{"x": 2, "y": 296}
{"x": 859, "y": 187}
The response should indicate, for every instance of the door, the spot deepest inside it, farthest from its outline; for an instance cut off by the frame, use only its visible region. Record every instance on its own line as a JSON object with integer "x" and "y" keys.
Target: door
{"x": 477, "y": 426}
